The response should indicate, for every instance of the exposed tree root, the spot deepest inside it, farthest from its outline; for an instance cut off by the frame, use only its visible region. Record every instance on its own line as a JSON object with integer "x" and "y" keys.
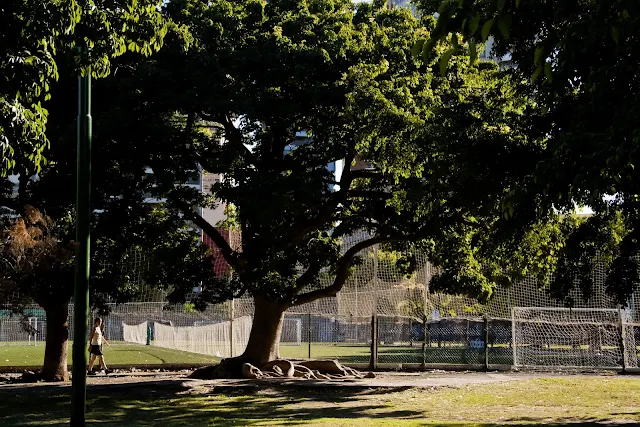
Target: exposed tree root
{"x": 280, "y": 368}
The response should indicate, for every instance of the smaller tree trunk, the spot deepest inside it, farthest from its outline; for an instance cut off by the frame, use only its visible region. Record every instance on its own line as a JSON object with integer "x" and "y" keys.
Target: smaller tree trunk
{"x": 264, "y": 340}
{"x": 55, "y": 354}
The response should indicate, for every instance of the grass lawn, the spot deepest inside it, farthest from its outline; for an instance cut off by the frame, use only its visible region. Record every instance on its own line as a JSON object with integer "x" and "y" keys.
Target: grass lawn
{"x": 133, "y": 354}
{"x": 117, "y": 354}
{"x": 121, "y": 353}
{"x": 398, "y": 353}
{"x": 557, "y": 401}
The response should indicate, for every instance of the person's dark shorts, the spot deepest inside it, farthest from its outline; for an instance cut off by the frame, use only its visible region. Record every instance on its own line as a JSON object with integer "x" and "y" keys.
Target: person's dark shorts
{"x": 96, "y": 349}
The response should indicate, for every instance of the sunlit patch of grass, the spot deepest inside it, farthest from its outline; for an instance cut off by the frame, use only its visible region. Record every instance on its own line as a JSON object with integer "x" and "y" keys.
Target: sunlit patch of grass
{"x": 552, "y": 401}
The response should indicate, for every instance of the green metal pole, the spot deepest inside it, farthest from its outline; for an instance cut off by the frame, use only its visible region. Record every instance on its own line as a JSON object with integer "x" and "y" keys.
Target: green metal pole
{"x": 83, "y": 220}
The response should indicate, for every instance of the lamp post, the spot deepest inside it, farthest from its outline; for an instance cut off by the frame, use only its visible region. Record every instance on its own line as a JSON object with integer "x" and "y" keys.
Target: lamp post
{"x": 83, "y": 259}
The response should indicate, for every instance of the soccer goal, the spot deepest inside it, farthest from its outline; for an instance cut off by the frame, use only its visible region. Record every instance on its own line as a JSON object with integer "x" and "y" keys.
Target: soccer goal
{"x": 291, "y": 331}
{"x": 563, "y": 338}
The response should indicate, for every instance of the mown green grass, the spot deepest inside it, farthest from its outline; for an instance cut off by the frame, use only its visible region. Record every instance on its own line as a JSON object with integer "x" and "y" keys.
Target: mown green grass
{"x": 552, "y": 402}
{"x": 132, "y": 354}
{"x": 116, "y": 354}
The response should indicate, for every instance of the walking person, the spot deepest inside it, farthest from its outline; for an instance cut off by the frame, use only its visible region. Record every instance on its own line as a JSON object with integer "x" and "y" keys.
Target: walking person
{"x": 95, "y": 347}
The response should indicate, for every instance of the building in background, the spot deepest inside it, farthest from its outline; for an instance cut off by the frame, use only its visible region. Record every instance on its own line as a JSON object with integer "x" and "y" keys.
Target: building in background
{"x": 403, "y": 3}
{"x": 216, "y": 214}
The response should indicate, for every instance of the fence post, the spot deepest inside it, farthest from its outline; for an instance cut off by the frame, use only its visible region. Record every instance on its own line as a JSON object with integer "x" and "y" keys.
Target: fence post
{"x": 373, "y": 359}
{"x": 623, "y": 344}
{"x": 424, "y": 341}
{"x": 309, "y": 332}
{"x": 513, "y": 338}
{"x": 231, "y": 316}
{"x": 486, "y": 343}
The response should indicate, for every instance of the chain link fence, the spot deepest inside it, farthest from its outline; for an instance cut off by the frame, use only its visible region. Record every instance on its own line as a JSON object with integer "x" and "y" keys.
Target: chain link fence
{"x": 379, "y": 341}
{"x": 381, "y": 318}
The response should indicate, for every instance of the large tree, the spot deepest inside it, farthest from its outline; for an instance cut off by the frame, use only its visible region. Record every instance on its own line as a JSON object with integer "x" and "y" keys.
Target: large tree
{"x": 123, "y": 221}
{"x": 37, "y": 266}
{"x": 444, "y": 151}
{"x": 579, "y": 60}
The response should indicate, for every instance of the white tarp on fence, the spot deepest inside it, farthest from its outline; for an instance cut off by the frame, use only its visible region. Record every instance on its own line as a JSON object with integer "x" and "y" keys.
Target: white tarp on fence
{"x": 214, "y": 339}
{"x": 135, "y": 333}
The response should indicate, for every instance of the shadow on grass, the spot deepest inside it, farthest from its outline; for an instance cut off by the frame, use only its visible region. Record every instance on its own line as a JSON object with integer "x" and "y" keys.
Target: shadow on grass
{"x": 173, "y": 403}
{"x": 182, "y": 403}
{"x": 142, "y": 352}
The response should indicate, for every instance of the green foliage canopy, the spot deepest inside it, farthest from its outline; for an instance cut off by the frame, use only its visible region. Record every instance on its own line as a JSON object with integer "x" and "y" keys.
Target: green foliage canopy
{"x": 445, "y": 152}
{"x": 579, "y": 62}
{"x": 35, "y": 35}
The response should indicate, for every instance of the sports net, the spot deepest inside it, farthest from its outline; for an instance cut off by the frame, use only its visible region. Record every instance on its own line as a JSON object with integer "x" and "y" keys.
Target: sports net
{"x": 223, "y": 339}
{"x": 137, "y": 334}
{"x": 409, "y": 324}
{"x": 567, "y": 338}
{"x": 25, "y": 331}
{"x": 291, "y": 331}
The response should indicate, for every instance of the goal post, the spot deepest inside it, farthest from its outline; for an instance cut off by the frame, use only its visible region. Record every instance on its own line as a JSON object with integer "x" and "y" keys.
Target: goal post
{"x": 33, "y": 330}
{"x": 291, "y": 331}
{"x": 567, "y": 338}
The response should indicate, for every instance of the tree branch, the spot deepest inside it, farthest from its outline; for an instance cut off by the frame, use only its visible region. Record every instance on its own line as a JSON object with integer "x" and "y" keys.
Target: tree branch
{"x": 342, "y": 273}
{"x": 306, "y": 278}
{"x": 369, "y": 194}
{"x": 347, "y": 174}
{"x": 232, "y": 134}
{"x": 328, "y": 210}
{"x": 366, "y": 173}
{"x": 206, "y": 165}
{"x": 229, "y": 255}
{"x": 188, "y": 127}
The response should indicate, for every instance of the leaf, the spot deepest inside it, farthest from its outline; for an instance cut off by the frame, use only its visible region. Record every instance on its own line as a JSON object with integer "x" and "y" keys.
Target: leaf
{"x": 473, "y": 52}
{"x": 547, "y": 71}
{"x": 536, "y": 74}
{"x": 443, "y": 7}
{"x": 454, "y": 41}
{"x": 504, "y": 25}
{"x": 537, "y": 60}
{"x": 475, "y": 22}
{"x": 486, "y": 28}
{"x": 517, "y": 3}
{"x": 427, "y": 48}
{"x": 615, "y": 33}
{"x": 417, "y": 48}
{"x": 444, "y": 60}
{"x": 501, "y": 4}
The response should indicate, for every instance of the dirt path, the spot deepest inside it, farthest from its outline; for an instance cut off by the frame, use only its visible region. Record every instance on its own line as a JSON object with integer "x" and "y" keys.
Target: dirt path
{"x": 430, "y": 379}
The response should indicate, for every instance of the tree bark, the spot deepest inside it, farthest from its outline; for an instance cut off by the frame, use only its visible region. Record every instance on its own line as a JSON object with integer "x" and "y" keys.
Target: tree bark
{"x": 264, "y": 339}
{"x": 55, "y": 354}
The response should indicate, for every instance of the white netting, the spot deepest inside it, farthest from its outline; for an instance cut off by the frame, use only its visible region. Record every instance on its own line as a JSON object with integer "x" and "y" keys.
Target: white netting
{"x": 135, "y": 333}
{"x": 567, "y": 338}
{"x": 631, "y": 334}
{"x": 413, "y": 324}
{"x": 30, "y": 331}
{"x": 213, "y": 339}
{"x": 291, "y": 331}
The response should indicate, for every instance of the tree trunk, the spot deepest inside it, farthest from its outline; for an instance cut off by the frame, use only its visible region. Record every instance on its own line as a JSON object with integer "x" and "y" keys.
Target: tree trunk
{"x": 55, "y": 354}
{"x": 264, "y": 340}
